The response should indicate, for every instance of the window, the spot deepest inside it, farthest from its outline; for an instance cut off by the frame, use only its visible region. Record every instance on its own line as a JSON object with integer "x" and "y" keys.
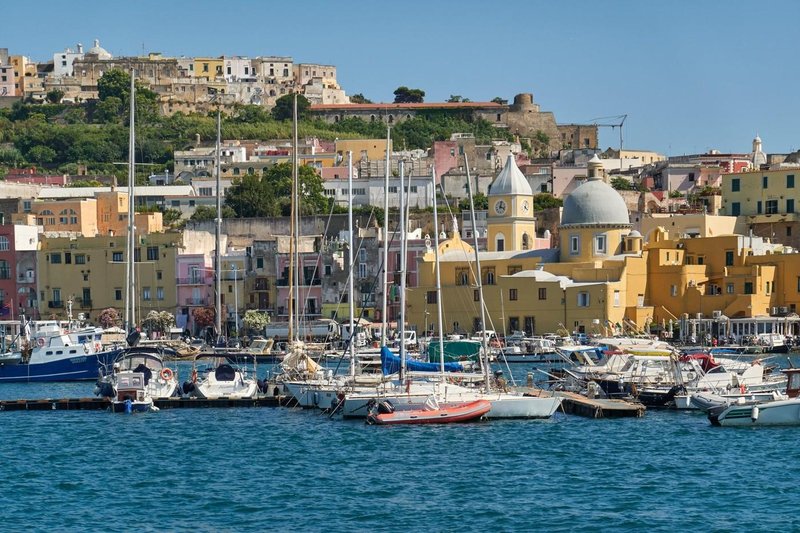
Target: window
{"x": 431, "y": 297}
{"x": 501, "y": 244}
{"x": 118, "y": 294}
{"x": 513, "y": 269}
{"x": 701, "y": 260}
{"x": 55, "y": 258}
{"x": 790, "y": 205}
{"x": 362, "y": 255}
{"x": 735, "y": 185}
{"x": 80, "y": 259}
{"x": 759, "y": 209}
{"x": 729, "y": 288}
{"x": 145, "y": 293}
{"x": 392, "y": 188}
{"x": 152, "y": 253}
{"x": 543, "y": 293}
{"x": 673, "y": 290}
{"x": 512, "y": 294}
{"x": 788, "y": 231}
{"x": 525, "y": 241}
{"x": 600, "y": 244}
{"x": 729, "y": 258}
{"x": 790, "y": 181}
{"x": 768, "y": 287}
{"x": 159, "y": 274}
{"x": 476, "y": 295}
{"x": 772, "y": 207}
{"x": 116, "y": 257}
{"x": 574, "y": 244}
{"x": 362, "y": 270}
{"x": 616, "y": 298}
{"x": 765, "y": 182}
{"x": 748, "y": 287}
{"x": 583, "y": 299}
{"x": 736, "y": 209}
{"x": 490, "y": 280}
{"x": 462, "y": 276}
{"x": 57, "y": 295}
{"x": 3, "y": 243}
{"x": 260, "y": 264}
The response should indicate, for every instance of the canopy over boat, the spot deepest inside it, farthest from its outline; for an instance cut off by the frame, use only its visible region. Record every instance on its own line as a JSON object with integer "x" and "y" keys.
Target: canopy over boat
{"x": 390, "y": 364}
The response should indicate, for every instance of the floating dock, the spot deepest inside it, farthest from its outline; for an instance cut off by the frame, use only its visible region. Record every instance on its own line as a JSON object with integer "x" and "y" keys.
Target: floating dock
{"x": 575, "y": 404}
{"x": 100, "y": 404}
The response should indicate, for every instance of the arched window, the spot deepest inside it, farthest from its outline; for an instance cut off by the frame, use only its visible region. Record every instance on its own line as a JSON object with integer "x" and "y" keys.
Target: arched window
{"x": 499, "y": 242}
{"x": 391, "y": 119}
{"x": 525, "y": 241}
{"x": 372, "y": 118}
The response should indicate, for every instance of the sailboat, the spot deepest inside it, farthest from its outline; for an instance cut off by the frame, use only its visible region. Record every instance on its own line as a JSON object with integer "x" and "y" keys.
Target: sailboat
{"x": 138, "y": 377}
{"x": 215, "y": 377}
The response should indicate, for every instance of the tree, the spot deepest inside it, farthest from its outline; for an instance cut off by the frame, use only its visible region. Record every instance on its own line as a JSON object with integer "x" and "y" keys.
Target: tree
{"x": 480, "y": 200}
{"x": 54, "y": 96}
{"x": 621, "y": 184}
{"x": 270, "y": 195}
{"x": 170, "y": 215}
{"x": 204, "y": 316}
{"x": 206, "y": 212}
{"x": 108, "y": 110}
{"x": 249, "y": 114}
{"x": 85, "y": 183}
{"x": 545, "y": 200}
{"x": 159, "y": 322}
{"x": 359, "y": 99}
{"x": 109, "y": 318}
{"x": 41, "y": 154}
{"x": 116, "y": 83}
{"x": 498, "y": 100}
{"x": 404, "y": 95}
{"x": 285, "y": 104}
{"x": 255, "y": 320}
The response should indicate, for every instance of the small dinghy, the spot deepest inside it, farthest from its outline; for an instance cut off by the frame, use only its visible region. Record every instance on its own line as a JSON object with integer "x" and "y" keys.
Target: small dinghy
{"x": 383, "y": 413}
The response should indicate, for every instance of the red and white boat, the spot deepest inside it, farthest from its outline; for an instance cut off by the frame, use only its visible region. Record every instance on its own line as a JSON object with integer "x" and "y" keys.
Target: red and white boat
{"x": 383, "y": 413}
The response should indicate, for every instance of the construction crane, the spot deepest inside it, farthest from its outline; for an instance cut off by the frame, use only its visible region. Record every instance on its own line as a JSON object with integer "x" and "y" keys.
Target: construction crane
{"x": 605, "y": 122}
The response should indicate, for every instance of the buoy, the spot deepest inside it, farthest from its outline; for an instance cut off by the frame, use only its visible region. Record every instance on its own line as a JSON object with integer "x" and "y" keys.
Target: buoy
{"x": 128, "y": 407}
{"x": 754, "y": 413}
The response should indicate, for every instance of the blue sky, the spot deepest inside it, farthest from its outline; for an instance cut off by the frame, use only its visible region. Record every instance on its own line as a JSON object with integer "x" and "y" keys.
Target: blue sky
{"x": 690, "y": 75}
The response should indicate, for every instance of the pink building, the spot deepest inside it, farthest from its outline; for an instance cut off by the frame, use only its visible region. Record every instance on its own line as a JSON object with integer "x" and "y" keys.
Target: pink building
{"x": 31, "y": 176}
{"x": 18, "y": 245}
{"x": 195, "y": 286}
{"x": 310, "y": 276}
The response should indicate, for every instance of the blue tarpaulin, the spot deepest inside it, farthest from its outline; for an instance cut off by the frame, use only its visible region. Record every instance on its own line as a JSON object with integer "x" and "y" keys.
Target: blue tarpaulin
{"x": 390, "y": 364}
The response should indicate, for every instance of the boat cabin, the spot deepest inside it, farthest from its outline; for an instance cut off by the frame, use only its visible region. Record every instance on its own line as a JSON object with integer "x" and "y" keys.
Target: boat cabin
{"x": 793, "y": 382}
{"x": 130, "y": 386}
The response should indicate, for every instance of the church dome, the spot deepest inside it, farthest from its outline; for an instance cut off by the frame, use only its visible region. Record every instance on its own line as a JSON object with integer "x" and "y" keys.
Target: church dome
{"x": 101, "y": 52}
{"x": 596, "y": 203}
{"x": 511, "y": 180}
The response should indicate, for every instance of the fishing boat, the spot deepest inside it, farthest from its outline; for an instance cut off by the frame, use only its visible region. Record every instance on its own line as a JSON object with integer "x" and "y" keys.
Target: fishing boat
{"x": 383, "y": 413}
{"x": 781, "y": 412}
{"x": 46, "y": 351}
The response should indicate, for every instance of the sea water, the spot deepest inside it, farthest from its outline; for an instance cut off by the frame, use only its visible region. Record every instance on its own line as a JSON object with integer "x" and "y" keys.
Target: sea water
{"x": 283, "y": 469}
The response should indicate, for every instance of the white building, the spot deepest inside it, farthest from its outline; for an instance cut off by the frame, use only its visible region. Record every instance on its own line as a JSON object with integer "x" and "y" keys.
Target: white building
{"x": 371, "y": 192}
{"x": 62, "y": 61}
{"x": 238, "y": 68}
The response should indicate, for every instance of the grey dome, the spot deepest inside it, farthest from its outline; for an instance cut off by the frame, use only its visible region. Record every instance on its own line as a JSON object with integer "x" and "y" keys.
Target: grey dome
{"x": 101, "y": 52}
{"x": 511, "y": 180}
{"x": 595, "y": 202}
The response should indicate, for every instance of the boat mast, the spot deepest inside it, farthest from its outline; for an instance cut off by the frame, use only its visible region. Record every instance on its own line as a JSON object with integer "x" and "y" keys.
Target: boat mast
{"x": 384, "y": 314}
{"x": 440, "y": 320}
{"x": 402, "y": 275}
{"x": 298, "y": 267}
{"x": 130, "y": 273}
{"x": 351, "y": 292}
{"x": 478, "y": 277}
{"x": 291, "y": 222}
{"x": 218, "y": 232}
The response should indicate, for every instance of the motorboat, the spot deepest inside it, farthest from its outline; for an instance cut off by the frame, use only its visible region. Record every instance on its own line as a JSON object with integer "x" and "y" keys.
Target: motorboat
{"x": 160, "y": 381}
{"x": 130, "y": 393}
{"x": 780, "y": 412}
{"x": 383, "y": 413}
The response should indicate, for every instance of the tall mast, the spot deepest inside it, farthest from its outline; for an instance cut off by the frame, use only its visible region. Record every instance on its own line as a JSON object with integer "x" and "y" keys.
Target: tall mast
{"x": 218, "y": 233}
{"x": 402, "y": 275}
{"x": 294, "y": 266}
{"x": 130, "y": 272}
{"x": 384, "y": 310}
{"x": 478, "y": 280}
{"x": 440, "y": 320}
{"x": 351, "y": 285}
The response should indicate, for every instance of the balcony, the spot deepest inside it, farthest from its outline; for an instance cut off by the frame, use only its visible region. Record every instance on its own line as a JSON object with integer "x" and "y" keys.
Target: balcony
{"x": 196, "y": 301}
{"x": 308, "y": 282}
{"x": 84, "y": 303}
{"x": 262, "y": 284}
{"x": 192, "y": 281}
{"x": 58, "y": 304}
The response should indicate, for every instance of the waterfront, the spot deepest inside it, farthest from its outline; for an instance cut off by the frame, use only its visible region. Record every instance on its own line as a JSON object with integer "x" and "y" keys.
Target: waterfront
{"x": 292, "y": 470}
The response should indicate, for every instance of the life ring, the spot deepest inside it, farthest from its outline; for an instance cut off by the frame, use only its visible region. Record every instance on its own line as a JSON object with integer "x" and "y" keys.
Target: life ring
{"x": 98, "y": 347}
{"x": 742, "y": 388}
{"x": 40, "y": 342}
{"x": 166, "y": 374}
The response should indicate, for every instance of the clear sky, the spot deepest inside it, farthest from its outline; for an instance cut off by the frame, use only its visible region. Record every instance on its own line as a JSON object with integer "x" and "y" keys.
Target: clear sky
{"x": 691, "y": 75}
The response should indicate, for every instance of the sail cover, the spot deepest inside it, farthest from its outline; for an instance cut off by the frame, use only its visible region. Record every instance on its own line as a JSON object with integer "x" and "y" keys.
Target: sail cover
{"x": 390, "y": 364}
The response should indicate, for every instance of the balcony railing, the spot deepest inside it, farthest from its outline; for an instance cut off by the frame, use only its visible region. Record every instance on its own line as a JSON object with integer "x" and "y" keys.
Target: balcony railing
{"x": 26, "y": 279}
{"x": 85, "y": 303}
{"x": 58, "y": 304}
{"x": 284, "y": 282}
{"x": 192, "y": 281}
{"x": 262, "y": 285}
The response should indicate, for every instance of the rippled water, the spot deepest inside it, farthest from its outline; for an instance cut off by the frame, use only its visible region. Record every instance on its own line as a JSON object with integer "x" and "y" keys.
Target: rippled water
{"x": 292, "y": 470}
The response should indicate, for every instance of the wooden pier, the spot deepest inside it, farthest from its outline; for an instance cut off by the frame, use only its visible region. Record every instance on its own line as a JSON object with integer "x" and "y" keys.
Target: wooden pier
{"x": 100, "y": 404}
{"x": 575, "y": 404}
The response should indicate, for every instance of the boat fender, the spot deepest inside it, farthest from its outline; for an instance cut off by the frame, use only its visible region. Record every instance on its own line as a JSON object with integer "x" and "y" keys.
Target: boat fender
{"x": 690, "y": 376}
{"x": 316, "y": 399}
{"x": 40, "y": 342}
{"x": 194, "y": 375}
{"x": 742, "y": 388}
{"x": 385, "y": 407}
{"x": 276, "y": 391}
{"x": 754, "y": 413}
{"x": 128, "y": 406}
{"x": 188, "y": 387}
{"x": 166, "y": 374}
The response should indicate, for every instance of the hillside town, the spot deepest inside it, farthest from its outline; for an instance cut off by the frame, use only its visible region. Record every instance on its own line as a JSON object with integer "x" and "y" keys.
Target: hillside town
{"x": 571, "y": 237}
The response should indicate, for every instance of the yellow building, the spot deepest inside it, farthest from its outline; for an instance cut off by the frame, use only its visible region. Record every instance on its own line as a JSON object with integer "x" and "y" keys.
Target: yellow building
{"x": 646, "y": 156}
{"x": 91, "y": 272}
{"x": 511, "y": 225}
{"x": 363, "y": 149}
{"x": 79, "y": 216}
{"x": 761, "y": 194}
{"x": 208, "y": 67}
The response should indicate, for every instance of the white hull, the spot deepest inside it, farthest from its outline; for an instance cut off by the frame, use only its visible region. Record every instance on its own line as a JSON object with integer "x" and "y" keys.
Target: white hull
{"x": 684, "y": 401}
{"x": 311, "y": 394}
{"x": 777, "y": 413}
{"x": 234, "y": 390}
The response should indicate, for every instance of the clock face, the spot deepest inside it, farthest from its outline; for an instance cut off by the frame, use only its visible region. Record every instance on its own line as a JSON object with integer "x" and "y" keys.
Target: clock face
{"x": 525, "y": 206}
{"x": 499, "y": 207}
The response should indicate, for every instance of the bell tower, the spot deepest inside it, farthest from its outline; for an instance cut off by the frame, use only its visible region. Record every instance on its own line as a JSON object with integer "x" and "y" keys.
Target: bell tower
{"x": 510, "y": 221}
